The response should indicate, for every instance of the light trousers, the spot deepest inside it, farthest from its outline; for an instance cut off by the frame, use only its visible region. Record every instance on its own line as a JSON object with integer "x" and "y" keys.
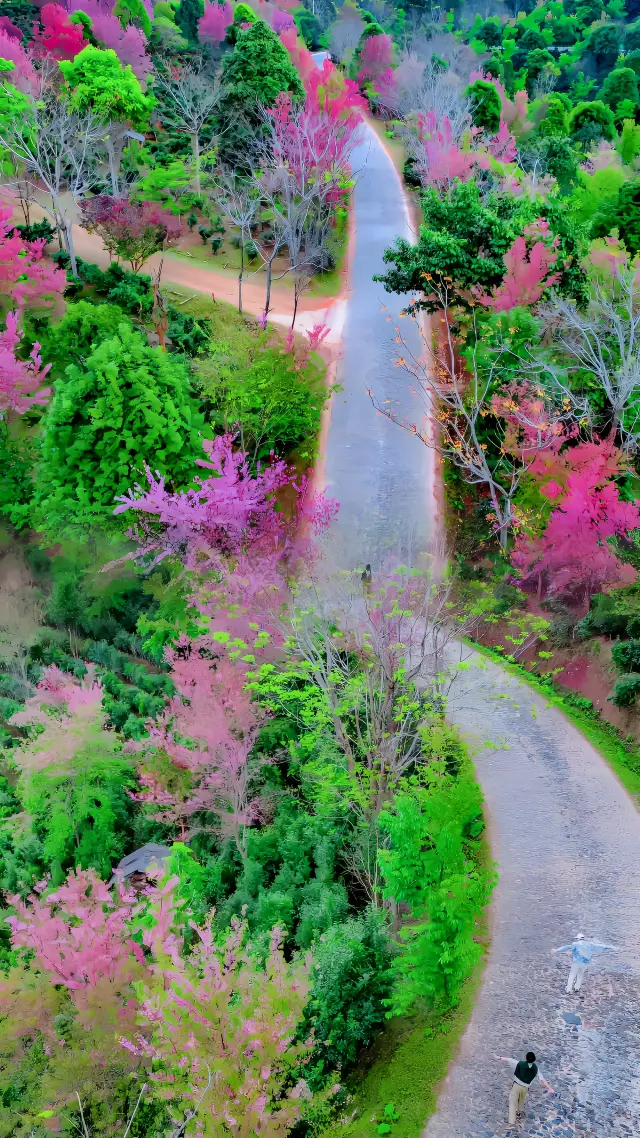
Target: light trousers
{"x": 575, "y": 977}
{"x": 517, "y": 1096}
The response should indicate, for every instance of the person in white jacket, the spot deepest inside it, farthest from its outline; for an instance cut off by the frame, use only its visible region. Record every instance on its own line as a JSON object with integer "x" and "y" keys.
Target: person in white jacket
{"x": 582, "y": 952}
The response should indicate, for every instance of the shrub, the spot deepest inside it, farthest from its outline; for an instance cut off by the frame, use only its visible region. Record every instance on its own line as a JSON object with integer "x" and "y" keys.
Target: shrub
{"x": 485, "y": 105}
{"x": 626, "y": 655}
{"x": 626, "y": 691}
{"x": 277, "y": 408}
{"x": 351, "y": 982}
{"x": 128, "y": 404}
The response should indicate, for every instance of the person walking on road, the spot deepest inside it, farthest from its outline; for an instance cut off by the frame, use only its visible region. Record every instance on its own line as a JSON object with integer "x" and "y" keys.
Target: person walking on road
{"x": 581, "y": 953}
{"x": 525, "y": 1073}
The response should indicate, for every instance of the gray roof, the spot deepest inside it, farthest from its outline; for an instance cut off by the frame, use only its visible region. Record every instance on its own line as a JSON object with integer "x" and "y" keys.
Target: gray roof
{"x": 141, "y": 860}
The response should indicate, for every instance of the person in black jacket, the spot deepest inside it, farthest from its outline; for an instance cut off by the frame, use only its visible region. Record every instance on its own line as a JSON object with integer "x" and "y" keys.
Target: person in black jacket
{"x": 525, "y": 1073}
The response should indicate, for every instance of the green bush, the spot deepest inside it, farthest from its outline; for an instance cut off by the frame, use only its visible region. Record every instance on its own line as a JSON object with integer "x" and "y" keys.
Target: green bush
{"x": 626, "y": 691}
{"x": 275, "y": 406}
{"x": 626, "y": 655}
{"x": 128, "y": 404}
{"x": 351, "y": 982}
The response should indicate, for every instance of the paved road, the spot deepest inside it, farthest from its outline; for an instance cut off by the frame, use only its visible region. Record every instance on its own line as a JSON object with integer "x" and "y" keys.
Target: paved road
{"x": 566, "y": 837}
{"x": 382, "y": 477}
{"x": 564, "y": 833}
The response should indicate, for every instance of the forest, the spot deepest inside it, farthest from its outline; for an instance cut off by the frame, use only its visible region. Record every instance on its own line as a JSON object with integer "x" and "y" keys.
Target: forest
{"x": 240, "y": 838}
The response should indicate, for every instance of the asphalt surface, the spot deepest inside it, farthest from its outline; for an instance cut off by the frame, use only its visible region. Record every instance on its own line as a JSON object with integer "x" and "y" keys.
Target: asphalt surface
{"x": 564, "y": 833}
{"x": 382, "y": 476}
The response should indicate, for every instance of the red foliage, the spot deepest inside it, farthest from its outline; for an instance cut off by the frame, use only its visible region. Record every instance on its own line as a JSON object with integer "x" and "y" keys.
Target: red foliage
{"x": 57, "y": 37}
{"x": 527, "y": 276}
{"x": 573, "y": 555}
{"x": 376, "y": 56}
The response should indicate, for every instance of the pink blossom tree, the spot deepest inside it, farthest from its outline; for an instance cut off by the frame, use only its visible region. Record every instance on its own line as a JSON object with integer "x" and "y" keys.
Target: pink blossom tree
{"x": 56, "y": 36}
{"x": 221, "y": 723}
{"x": 213, "y": 25}
{"x": 573, "y": 556}
{"x": 228, "y": 531}
{"x": 79, "y": 933}
{"x": 26, "y": 274}
{"x": 23, "y": 75}
{"x": 375, "y": 58}
{"x": 528, "y": 274}
{"x": 220, "y": 1032}
{"x": 20, "y": 380}
{"x": 130, "y": 230}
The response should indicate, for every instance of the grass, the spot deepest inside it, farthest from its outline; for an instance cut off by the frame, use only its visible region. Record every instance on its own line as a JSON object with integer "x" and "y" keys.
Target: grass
{"x": 623, "y": 756}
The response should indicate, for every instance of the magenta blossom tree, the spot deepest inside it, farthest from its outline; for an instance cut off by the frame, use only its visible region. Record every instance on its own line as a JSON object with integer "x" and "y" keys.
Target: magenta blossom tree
{"x": 130, "y": 230}
{"x": 213, "y": 25}
{"x": 20, "y": 380}
{"x": 228, "y": 530}
{"x": 27, "y": 276}
{"x": 573, "y": 557}
{"x": 56, "y": 36}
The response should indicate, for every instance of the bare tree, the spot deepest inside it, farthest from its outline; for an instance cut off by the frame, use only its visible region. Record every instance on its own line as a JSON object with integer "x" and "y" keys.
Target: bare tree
{"x": 603, "y": 340}
{"x": 459, "y": 399}
{"x": 384, "y": 662}
{"x": 193, "y": 96}
{"x": 345, "y": 34}
{"x": 58, "y": 148}
{"x": 238, "y": 200}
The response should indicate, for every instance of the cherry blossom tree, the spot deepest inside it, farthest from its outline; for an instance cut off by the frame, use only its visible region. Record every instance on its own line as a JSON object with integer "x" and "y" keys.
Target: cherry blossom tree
{"x": 79, "y": 933}
{"x": 20, "y": 380}
{"x": 221, "y": 722}
{"x": 528, "y": 275}
{"x": 573, "y": 556}
{"x": 130, "y": 230}
{"x": 27, "y": 276}
{"x": 213, "y": 25}
{"x": 57, "y": 36}
{"x": 23, "y": 75}
{"x": 220, "y": 1032}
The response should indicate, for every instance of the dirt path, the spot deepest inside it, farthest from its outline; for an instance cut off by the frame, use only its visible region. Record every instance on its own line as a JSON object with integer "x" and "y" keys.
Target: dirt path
{"x": 178, "y": 271}
{"x": 564, "y": 833}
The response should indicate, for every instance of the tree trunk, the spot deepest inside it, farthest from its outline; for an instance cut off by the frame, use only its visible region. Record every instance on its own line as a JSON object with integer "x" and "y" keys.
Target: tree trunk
{"x": 67, "y": 231}
{"x": 295, "y": 306}
{"x": 115, "y": 188}
{"x": 240, "y": 275}
{"x": 267, "y": 301}
{"x": 195, "y": 146}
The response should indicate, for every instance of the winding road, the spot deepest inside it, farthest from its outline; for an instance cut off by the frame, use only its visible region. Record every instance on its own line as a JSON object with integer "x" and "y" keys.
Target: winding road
{"x": 564, "y": 833}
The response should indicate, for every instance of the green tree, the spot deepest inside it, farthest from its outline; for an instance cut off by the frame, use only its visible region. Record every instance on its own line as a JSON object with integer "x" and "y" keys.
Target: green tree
{"x": 589, "y": 122}
{"x": 555, "y": 121}
{"x": 127, "y": 404}
{"x": 620, "y": 85}
{"x": 485, "y": 105}
{"x": 133, "y": 12}
{"x": 429, "y": 867}
{"x": 97, "y": 81}
{"x": 309, "y": 27}
{"x": 81, "y": 329}
{"x": 629, "y": 143}
{"x": 622, "y": 214}
{"x": 258, "y": 70}
{"x": 187, "y": 17}
{"x": 605, "y": 43}
{"x": 461, "y": 245}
